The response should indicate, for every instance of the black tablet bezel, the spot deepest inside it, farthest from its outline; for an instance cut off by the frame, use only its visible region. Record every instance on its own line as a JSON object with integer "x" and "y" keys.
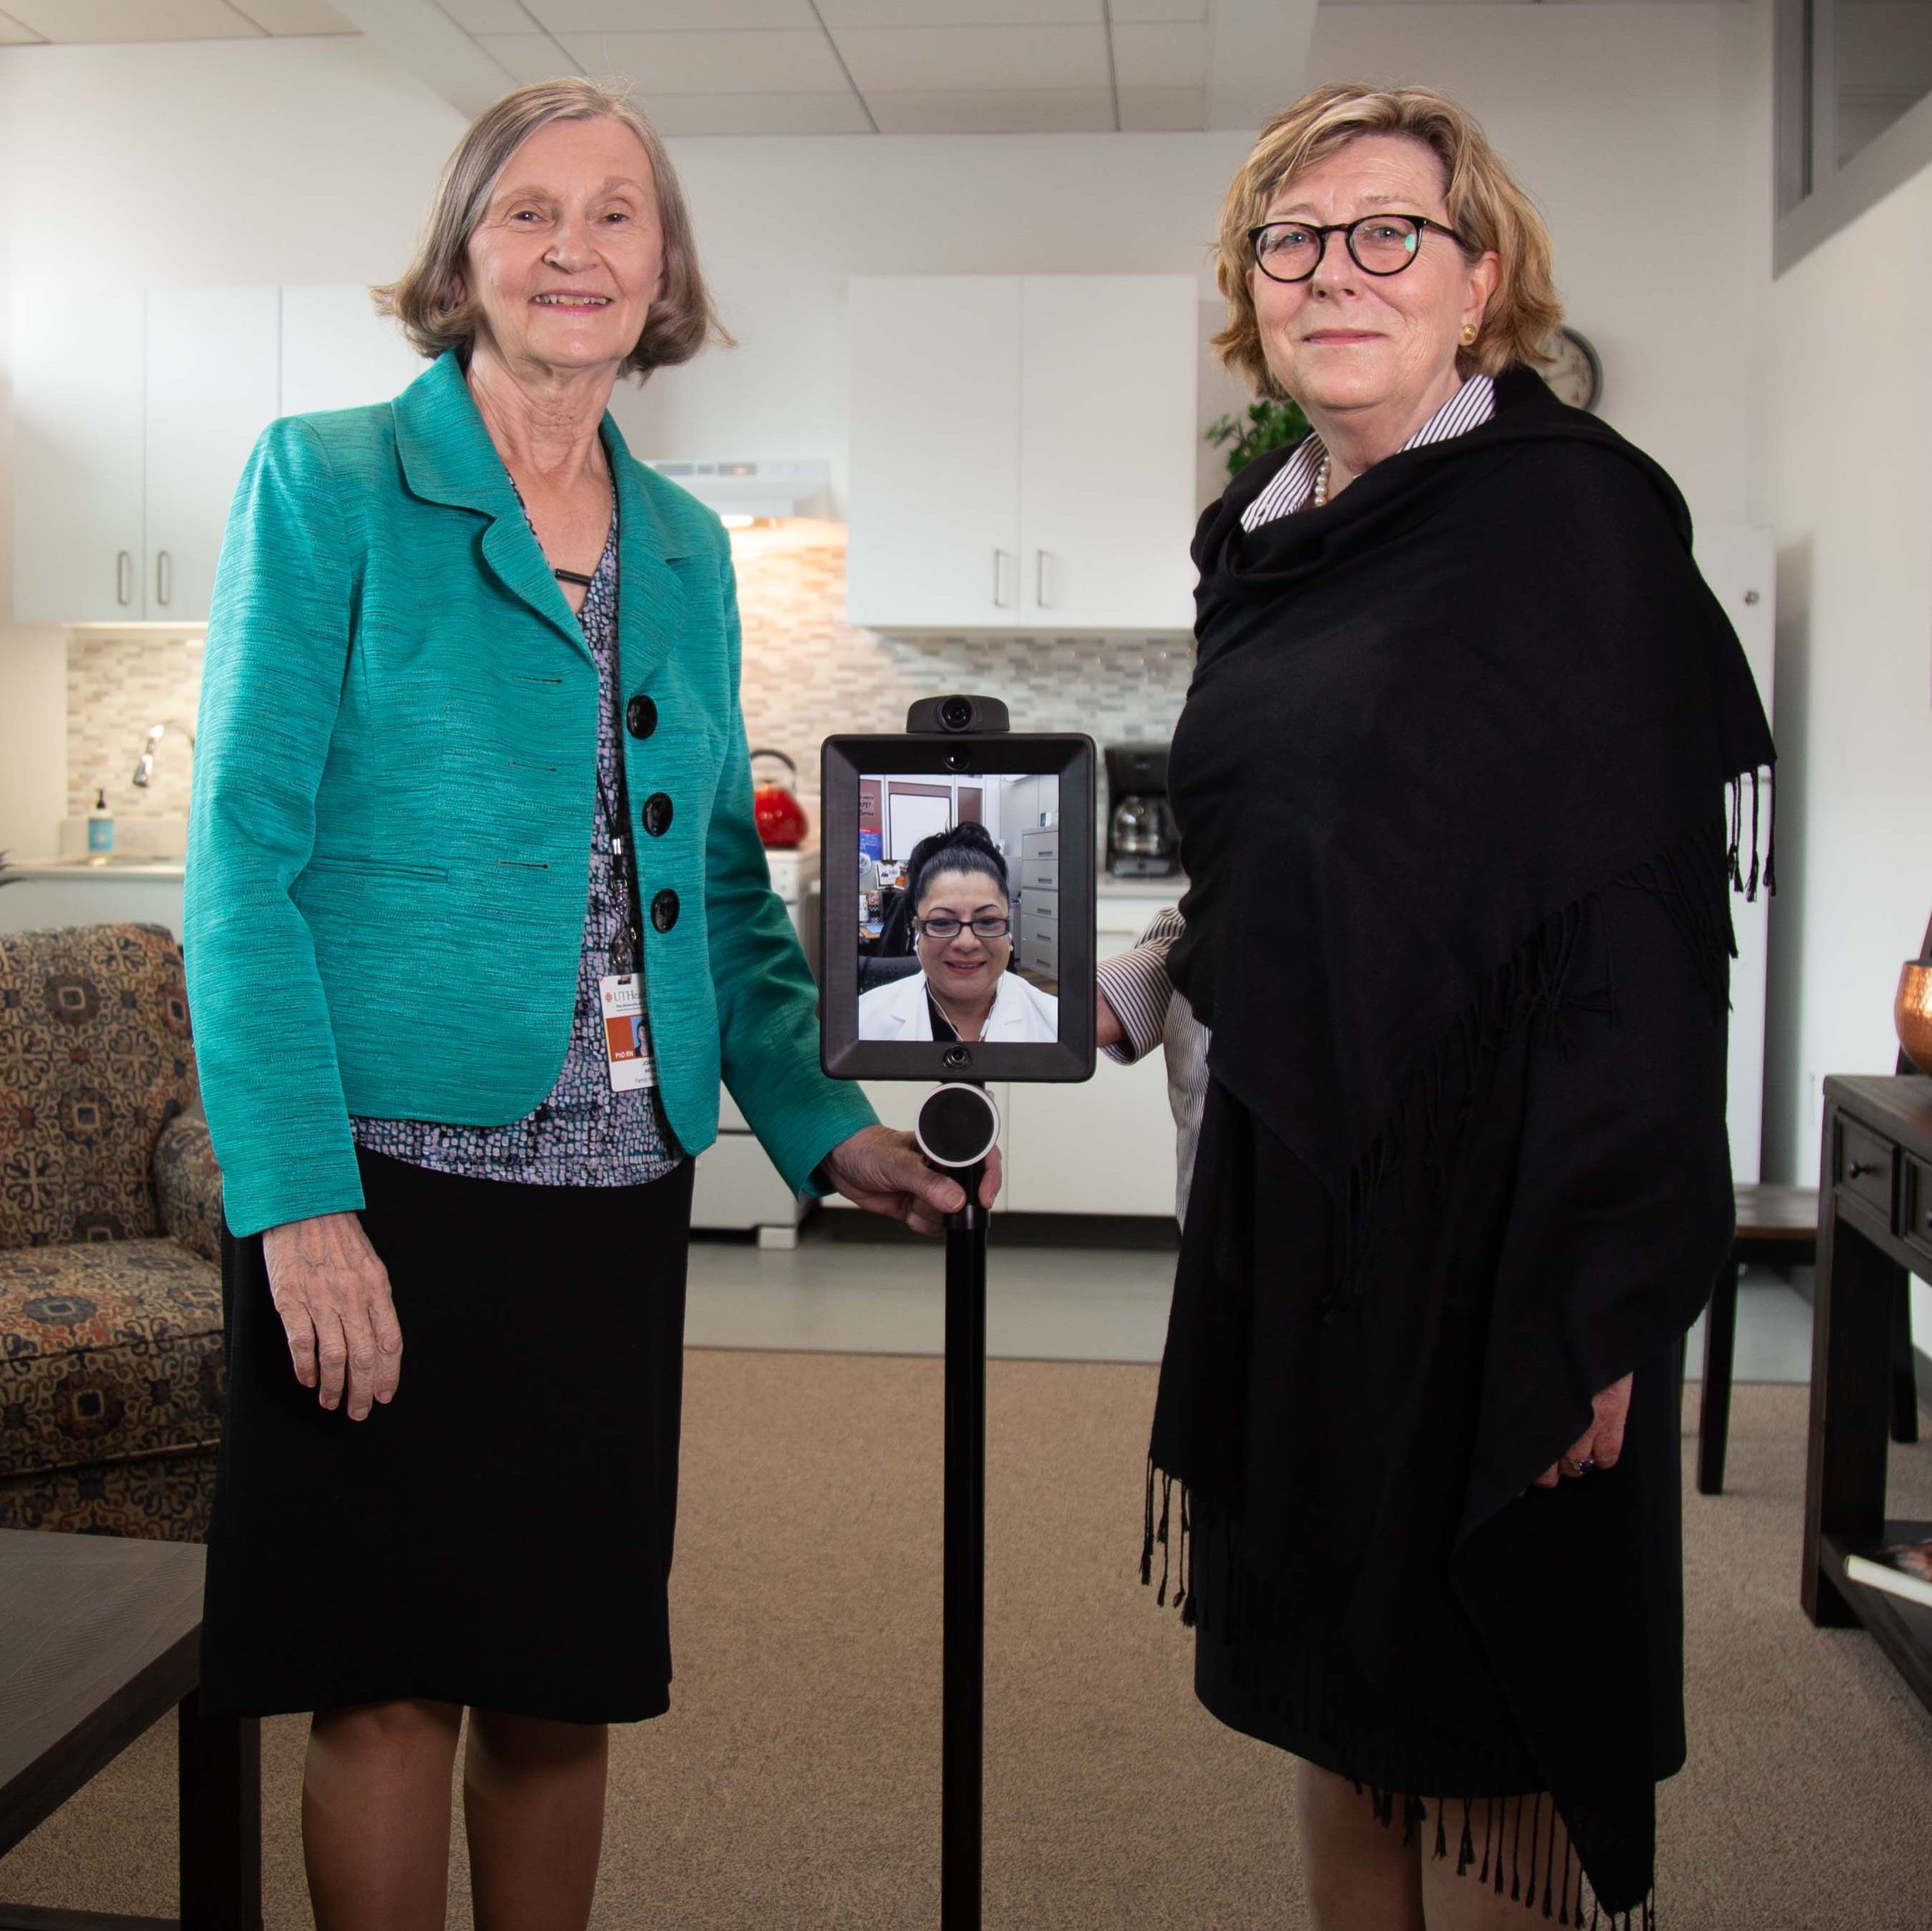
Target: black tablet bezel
{"x": 843, "y": 761}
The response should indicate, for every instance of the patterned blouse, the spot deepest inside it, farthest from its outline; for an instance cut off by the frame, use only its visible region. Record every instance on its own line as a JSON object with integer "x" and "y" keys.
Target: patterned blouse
{"x": 584, "y": 1135}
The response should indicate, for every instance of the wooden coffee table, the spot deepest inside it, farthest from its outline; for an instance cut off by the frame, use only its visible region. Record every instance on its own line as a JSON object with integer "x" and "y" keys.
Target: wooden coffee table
{"x": 100, "y": 1638}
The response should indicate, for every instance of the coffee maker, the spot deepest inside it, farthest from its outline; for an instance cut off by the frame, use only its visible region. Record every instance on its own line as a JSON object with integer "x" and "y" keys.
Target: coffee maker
{"x": 1141, "y": 842}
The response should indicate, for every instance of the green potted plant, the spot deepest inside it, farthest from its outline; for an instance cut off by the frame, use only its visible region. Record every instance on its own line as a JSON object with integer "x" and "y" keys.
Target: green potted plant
{"x": 1269, "y": 425}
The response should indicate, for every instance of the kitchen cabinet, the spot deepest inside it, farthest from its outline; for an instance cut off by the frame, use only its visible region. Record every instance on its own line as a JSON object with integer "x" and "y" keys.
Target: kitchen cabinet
{"x": 736, "y": 1185}
{"x": 338, "y": 353}
{"x": 135, "y": 414}
{"x": 1108, "y": 387}
{"x": 1106, "y": 1146}
{"x": 934, "y": 533}
{"x": 213, "y": 385}
{"x": 79, "y": 378}
{"x": 1022, "y": 452}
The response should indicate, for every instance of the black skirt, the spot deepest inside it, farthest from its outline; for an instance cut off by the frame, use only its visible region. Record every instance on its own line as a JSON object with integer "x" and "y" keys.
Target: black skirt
{"x": 499, "y": 1535}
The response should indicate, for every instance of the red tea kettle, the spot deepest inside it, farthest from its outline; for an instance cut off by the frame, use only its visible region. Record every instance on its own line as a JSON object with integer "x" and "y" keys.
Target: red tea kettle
{"x": 781, "y": 818}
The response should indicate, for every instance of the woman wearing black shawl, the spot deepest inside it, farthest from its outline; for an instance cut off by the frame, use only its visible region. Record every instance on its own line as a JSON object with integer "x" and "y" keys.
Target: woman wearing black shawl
{"x": 1450, "y": 782}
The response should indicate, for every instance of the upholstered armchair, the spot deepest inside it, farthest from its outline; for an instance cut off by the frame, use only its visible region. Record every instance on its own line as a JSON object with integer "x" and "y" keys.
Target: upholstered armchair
{"x": 110, "y": 1216}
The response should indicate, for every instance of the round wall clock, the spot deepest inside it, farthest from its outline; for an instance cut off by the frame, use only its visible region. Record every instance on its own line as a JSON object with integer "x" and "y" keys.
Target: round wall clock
{"x": 1576, "y": 375}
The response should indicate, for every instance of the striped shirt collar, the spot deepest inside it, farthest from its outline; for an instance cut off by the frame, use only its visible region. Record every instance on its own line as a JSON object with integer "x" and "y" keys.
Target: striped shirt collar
{"x": 1473, "y": 402}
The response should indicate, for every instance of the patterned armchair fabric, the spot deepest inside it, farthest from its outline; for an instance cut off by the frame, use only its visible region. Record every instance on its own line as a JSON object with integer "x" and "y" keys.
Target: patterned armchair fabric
{"x": 110, "y": 1216}
{"x": 187, "y": 1185}
{"x": 95, "y": 1059}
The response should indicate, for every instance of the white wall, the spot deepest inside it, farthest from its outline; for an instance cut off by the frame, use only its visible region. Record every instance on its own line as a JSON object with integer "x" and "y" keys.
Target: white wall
{"x": 311, "y": 160}
{"x": 1849, "y": 407}
{"x": 1606, "y": 112}
{"x": 1644, "y": 134}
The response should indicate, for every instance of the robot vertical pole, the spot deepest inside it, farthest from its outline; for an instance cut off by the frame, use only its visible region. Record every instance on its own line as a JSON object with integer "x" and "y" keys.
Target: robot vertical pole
{"x": 962, "y": 1746}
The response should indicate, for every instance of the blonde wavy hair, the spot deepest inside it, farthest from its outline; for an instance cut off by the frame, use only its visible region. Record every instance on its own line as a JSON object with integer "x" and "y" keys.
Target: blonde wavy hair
{"x": 1486, "y": 208}
{"x": 430, "y": 299}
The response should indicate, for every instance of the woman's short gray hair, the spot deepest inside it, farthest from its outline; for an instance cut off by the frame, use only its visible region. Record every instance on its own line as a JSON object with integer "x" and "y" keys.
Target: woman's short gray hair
{"x": 431, "y": 299}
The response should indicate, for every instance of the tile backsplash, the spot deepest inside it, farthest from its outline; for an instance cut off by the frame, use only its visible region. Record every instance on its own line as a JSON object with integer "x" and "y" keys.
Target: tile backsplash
{"x": 807, "y": 674}
{"x": 118, "y": 683}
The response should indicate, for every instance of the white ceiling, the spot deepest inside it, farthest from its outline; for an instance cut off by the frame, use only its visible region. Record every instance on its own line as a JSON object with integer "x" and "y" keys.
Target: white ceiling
{"x": 759, "y": 67}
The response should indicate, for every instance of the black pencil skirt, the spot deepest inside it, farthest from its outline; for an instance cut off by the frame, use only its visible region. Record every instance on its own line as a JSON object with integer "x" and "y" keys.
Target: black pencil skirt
{"x": 499, "y": 1535}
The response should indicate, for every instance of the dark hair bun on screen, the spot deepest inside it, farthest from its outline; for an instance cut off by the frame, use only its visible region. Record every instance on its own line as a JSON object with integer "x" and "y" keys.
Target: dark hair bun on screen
{"x": 968, "y": 848}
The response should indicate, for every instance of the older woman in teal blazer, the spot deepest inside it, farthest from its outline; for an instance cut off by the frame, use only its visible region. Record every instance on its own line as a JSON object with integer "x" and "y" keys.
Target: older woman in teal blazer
{"x": 472, "y": 818}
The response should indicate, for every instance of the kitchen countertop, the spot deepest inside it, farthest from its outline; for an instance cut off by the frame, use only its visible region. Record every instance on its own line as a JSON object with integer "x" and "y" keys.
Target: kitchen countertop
{"x": 169, "y": 869}
{"x": 1109, "y": 885}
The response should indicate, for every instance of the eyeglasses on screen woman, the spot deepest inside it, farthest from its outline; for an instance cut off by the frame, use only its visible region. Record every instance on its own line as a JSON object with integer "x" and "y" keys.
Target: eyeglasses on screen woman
{"x": 950, "y": 928}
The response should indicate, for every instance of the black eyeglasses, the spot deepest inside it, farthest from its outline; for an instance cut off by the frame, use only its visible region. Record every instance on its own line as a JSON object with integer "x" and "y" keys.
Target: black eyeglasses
{"x": 1381, "y": 244}
{"x": 951, "y": 928}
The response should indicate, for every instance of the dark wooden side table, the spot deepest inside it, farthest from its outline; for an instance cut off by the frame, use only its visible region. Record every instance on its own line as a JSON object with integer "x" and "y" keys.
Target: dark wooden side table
{"x": 1874, "y": 1226}
{"x": 100, "y": 1638}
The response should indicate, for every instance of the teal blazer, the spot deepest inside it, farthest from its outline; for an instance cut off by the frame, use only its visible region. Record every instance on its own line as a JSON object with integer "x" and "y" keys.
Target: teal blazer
{"x": 394, "y": 777}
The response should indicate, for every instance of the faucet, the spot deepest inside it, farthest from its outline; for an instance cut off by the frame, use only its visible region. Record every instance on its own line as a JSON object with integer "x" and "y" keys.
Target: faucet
{"x": 144, "y": 771}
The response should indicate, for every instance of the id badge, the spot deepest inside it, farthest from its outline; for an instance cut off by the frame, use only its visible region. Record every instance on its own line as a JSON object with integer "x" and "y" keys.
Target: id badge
{"x": 627, "y": 1046}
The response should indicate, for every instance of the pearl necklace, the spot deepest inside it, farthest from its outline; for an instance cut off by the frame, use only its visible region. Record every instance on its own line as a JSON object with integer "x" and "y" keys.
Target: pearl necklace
{"x": 1319, "y": 498}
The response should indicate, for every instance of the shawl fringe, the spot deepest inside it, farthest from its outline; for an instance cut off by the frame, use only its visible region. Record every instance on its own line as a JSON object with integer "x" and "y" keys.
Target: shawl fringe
{"x": 1514, "y": 1847}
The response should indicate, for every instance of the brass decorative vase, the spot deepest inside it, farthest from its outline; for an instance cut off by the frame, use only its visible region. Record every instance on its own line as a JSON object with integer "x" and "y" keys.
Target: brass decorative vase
{"x": 1911, "y": 1013}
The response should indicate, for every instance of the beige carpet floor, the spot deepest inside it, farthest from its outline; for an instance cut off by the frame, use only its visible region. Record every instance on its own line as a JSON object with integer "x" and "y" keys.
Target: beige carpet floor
{"x": 795, "y": 1783}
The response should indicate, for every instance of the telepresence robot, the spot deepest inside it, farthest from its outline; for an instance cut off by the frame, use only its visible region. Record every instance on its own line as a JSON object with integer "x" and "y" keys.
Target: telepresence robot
{"x": 1033, "y": 793}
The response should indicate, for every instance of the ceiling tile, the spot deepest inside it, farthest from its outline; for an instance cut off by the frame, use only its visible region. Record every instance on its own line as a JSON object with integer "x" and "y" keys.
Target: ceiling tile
{"x": 685, "y": 114}
{"x": 74, "y": 20}
{"x": 13, "y": 35}
{"x": 1130, "y": 13}
{"x": 963, "y": 13}
{"x": 651, "y": 17}
{"x": 487, "y": 16}
{"x": 1160, "y": 56}
{"x": 295, "y": 17}
{"x": 741, "y": 63}
{"x": 527, "y": 57}
{"x": 987, "y": 110}
{"x": 1163, "y": 110}
{"x": 899, "y": 59}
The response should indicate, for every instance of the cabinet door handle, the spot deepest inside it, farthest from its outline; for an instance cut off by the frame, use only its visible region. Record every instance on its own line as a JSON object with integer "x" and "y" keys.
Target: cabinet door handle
{"x": 1039, "y": 595}
{"x": 1002, "y": 597}
{"x": 124, "y": 576}
{"x": 164, "y": 576}
{"x": 1860, "y": 1170}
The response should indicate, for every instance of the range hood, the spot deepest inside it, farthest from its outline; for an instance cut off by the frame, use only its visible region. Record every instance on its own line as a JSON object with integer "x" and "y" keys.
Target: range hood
{"x": 754, "y": 489}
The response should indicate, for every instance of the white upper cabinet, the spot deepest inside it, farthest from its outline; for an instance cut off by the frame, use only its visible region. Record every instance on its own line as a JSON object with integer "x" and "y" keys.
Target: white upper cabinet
{"x": 1107, "y": 459}
{"x": 78, "y": 374}
{"x": 213, "y": 382}
{"x": 1022, "y": 452}
{"x": 935, "y": 537}
{"x": 134, "y": 416}
{"x": 338, "y": 353}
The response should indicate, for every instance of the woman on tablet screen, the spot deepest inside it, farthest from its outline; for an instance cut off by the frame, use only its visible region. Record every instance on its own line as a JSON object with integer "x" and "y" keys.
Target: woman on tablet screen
{"x": 962, "y": 935}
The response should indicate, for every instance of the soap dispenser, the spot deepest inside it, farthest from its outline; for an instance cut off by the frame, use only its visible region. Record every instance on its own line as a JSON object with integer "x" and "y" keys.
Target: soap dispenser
{"x": 100, "y": 830}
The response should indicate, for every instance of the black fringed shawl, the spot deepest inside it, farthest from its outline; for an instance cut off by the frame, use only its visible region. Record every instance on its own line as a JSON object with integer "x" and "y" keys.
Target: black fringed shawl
{"x": 1430, "y": 722}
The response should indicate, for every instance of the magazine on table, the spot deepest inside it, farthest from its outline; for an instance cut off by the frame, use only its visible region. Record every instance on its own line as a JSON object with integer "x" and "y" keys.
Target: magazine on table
{"x": 1904, "y": 1569}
